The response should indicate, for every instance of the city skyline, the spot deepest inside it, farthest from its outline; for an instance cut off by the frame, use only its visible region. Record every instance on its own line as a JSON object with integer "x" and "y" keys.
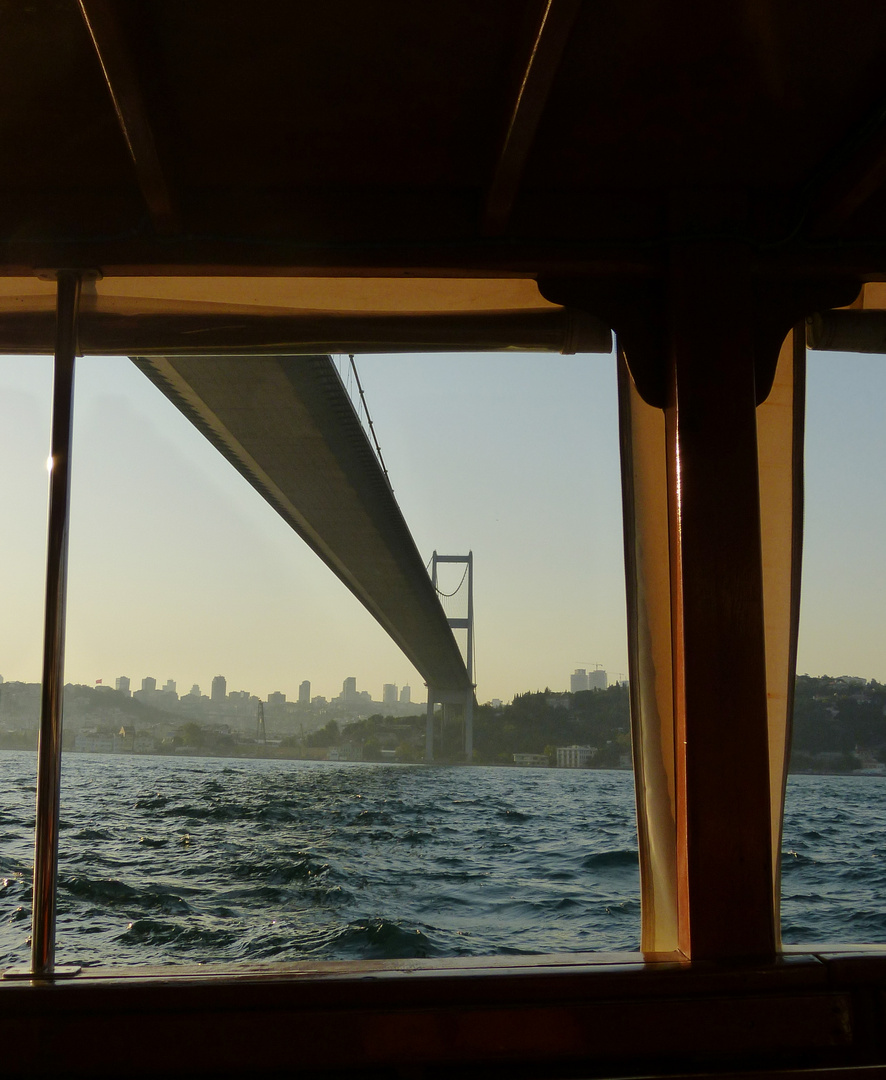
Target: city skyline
{"x": 178, "y": 567}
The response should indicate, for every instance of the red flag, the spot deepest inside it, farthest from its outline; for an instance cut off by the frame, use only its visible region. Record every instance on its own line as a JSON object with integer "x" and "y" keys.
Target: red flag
{"x": 97, "y": 682}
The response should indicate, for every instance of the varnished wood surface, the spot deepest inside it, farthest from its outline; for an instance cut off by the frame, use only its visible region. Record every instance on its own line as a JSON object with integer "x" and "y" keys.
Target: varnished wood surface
{"x": 724, "y": 848}
{"x": 560, "y": 1017}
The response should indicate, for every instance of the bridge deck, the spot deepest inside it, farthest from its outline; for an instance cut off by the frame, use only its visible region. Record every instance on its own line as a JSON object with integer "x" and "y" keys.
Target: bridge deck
{"x": 287, "y": 424}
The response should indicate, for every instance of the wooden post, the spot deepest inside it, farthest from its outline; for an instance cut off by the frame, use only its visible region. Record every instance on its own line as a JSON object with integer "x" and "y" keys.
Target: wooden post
{"x": 723, "y": 814}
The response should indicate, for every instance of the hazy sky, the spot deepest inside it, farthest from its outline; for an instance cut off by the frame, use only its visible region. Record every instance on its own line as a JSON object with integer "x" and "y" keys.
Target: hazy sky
{"x": 178, "y": 569}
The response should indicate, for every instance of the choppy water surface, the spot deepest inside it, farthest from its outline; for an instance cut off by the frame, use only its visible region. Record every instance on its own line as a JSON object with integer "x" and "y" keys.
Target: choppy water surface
{"x": 200, "y": 859}
{"x": 833, "y": 863}
{"x": 210, "y": 859}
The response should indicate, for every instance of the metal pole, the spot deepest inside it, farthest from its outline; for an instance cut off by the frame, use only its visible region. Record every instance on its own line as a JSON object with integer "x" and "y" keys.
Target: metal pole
{"x": 469, "y": 702}
{"x": 50, "y": 744}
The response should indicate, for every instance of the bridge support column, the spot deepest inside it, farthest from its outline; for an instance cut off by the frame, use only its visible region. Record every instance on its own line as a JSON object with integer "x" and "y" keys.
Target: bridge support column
{"x": 429, "y": 731}
{"x": 466, "y": 623}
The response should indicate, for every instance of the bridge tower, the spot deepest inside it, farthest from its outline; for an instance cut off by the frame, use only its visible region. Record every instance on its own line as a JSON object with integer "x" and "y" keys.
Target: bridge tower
{"x": 448, "y": 698}
{"x": 261, "y": 732}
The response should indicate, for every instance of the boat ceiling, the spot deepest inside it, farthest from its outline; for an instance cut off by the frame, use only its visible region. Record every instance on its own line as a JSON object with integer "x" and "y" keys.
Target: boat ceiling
{"x": 467, "y": 139}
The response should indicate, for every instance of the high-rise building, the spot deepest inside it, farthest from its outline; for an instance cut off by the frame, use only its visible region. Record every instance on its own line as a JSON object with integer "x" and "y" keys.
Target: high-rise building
{"x": 149, "y": 684}
{"x": 597, "y": 679}
{"x": 349, "y": 689}
{"x": 169, "y": 686}
{"x": 578, "y": 680}
{"x": 405, "y": 695}
{"x": 389, "y": 694}
{"x": 304, "y": 693}
{"x": 122, "y": 684}
{"x": 276, "y": 698}
{"x": 219, "y": 691}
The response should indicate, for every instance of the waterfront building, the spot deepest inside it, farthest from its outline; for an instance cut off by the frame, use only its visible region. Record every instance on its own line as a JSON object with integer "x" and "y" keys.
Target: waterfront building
{"x": 532, "y": 761}
{"x": 575, "y": 757}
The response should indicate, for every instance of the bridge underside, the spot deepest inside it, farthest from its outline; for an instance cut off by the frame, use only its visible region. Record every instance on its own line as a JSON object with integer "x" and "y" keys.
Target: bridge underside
{"x": 287, "y": 424}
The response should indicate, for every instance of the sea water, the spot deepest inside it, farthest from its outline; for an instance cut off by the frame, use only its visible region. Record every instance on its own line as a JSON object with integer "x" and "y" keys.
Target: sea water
{"x": 212, "y": 860}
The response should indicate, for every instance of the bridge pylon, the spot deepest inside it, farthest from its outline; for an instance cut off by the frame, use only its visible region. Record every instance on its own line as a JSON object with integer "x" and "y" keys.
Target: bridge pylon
{"x": 449, "y": 698}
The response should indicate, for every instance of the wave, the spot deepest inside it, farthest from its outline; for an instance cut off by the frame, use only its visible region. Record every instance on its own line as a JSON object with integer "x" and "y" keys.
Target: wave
{"x": 163, "y": 932}
{"x": 382, "y": 939}
{"x": 611, "y": 860}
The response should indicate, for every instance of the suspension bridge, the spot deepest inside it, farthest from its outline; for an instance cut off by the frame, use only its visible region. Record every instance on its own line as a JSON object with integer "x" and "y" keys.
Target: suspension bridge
{"x": 298, "y": 439}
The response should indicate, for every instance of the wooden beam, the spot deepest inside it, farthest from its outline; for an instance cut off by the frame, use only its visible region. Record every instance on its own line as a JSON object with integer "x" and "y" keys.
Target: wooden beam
{"x": 119, "y": 70}
{"x": 724, "y": 847}
{"x": 538, "y": 75}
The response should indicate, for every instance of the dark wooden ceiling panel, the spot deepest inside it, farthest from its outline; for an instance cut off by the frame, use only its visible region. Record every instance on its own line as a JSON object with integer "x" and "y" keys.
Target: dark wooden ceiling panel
{"x": 657, "y": 94}
{"x": 345, "y": 93}
{"x": 353, "y": 134}
{"x": 58, "y": 130}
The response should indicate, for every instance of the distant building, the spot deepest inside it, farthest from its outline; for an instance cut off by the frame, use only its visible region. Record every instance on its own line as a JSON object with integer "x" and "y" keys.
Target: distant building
{"x": 319, "y": 701}
{"x": 219, "y": 691}
{"x": 149, "y": 685}
{"x": 194, "y": 691}
{"x": 557, "y": 701}
{"x": 168, "y": 694}
{"x": 578, "y": 681}
{"x": 94, "y": 742}
{"x": 532, "y": 761}
{"x": 276, "y": 698}
{"x": 122, "y": 684}
{"x": 597, "y": 680}
{"x": 405, "y": 695}
{"x": 575, "y": 757}
{"x": 304, "y": 693}
{"x": 346, "y": 752}
{"x": 349, "y": 689}
{"x": 389, "y": 694}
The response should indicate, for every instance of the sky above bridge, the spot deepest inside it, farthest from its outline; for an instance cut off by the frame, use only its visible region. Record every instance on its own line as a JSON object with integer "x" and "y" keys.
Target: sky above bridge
{"x": 178, "y": 569}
